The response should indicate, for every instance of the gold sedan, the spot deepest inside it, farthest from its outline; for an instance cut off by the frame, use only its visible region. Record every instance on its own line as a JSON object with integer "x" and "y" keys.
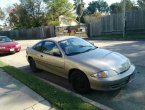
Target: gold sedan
{"x": 85, "y": 65}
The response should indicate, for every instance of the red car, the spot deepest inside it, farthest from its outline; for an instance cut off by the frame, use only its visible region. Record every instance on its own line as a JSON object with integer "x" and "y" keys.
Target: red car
{"x": 7, "y": 45}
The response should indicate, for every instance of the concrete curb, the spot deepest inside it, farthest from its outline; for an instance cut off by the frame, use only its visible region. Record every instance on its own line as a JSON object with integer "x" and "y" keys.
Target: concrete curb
{"x": 28, "y": 98}
{"x": 98, "y": 105}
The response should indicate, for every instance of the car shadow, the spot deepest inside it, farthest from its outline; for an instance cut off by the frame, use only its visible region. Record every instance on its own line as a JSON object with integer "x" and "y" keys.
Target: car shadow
{"x": 63, "y": 82}
{"x": 104, "y": 94}
{"x": 104, "y": 97}
{"x": 4, "y": 55}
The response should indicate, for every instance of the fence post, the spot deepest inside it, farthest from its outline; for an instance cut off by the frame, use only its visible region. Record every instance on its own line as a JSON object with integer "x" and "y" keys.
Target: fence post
{"x": 124, "y": 17}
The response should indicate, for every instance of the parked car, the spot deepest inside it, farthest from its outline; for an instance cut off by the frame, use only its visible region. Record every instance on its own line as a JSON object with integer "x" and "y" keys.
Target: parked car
{"x": 85, "y": 65}
{"x": 8, "y": 45}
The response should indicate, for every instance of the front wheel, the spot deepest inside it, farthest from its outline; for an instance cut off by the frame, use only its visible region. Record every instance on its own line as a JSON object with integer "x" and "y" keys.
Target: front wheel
{"x": 80, "y": 82}
{"x": 33, "y": 65}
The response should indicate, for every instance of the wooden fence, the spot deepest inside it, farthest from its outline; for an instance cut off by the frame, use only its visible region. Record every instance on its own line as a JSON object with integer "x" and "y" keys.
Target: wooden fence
{"x": 38, "y": 32}
{"x": 113, "y": 24}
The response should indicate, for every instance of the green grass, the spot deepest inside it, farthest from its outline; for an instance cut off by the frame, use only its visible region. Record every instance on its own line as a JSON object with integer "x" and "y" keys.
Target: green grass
{"x": 119, "y": 37}
{"x": 58, "y": 98}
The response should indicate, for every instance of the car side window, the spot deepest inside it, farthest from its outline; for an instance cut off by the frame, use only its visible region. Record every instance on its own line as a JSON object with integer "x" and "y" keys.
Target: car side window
{"x": 38, "y": 46}
{"x": 51, "y": 48}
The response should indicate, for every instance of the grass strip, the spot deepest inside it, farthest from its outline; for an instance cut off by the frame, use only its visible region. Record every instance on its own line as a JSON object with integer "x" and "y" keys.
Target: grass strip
{"x": 58, "y": 98}
{"x": 118, "y": 37}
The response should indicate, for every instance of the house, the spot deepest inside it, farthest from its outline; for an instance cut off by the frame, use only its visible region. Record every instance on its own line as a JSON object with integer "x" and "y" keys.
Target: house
{"x": 69, "y": 25}
{"x": 67, "y": 21}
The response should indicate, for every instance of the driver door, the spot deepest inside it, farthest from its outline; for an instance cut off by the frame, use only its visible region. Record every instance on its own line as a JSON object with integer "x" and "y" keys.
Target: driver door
{"x": 52, "y": 58}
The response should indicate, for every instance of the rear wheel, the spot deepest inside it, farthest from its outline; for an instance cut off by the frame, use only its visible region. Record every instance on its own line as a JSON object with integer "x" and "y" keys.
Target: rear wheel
{"x": 80, "y": 82}
{"x": 33, "y": 65}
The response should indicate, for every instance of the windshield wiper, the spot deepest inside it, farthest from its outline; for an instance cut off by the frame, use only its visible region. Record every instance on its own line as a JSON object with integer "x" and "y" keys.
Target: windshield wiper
{"x": 90, "y": 49}
{"x": 85, "y": 46}
{"x": 74, "y": 53}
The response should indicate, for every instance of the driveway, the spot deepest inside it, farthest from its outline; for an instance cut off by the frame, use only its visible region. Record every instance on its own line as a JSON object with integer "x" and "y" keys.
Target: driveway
{"x": 131, "y": 97}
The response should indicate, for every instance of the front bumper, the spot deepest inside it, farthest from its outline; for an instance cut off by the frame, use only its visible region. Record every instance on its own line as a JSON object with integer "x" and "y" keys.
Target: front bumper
{"x": 112, "y": 83}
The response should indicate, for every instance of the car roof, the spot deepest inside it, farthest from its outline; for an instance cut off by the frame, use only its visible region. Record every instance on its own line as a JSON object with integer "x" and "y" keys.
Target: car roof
{"x": 60, "y": 38}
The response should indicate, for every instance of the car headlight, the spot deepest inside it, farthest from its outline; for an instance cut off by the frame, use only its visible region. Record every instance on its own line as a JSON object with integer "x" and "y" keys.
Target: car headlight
{"x": 129, "y": 62}
{"x": 2, "y": 47}
{"x": 18, "y": 45}
{"x": 105, "y": 74}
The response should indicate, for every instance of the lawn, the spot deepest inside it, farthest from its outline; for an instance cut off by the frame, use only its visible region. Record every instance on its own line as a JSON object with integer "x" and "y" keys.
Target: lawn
{"x": 58, "y": 98}
{"x": 119, "y": 37}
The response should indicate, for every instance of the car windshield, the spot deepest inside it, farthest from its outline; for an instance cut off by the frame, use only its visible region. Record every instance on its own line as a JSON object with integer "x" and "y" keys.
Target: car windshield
{"x": 75, "y": 46}
{"x": 5, "y": 39}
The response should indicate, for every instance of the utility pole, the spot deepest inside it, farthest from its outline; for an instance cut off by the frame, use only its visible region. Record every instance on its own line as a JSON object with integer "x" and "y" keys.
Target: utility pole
{"x": 124, "y": 17}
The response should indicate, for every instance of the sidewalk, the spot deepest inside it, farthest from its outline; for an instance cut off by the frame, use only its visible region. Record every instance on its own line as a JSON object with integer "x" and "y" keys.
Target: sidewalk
{"x": 16, "y": 96}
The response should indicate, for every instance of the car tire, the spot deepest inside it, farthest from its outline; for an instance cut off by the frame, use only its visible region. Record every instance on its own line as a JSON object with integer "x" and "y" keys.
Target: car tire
{"x": 33, "y": 65}
{"x": 80, "y": 82}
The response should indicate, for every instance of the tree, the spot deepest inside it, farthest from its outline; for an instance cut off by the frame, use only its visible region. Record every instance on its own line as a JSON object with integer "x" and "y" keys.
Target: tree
{"x": 130, "y": 5}
{"x": 115, "y": 8}
{"x": 32, "y": 13}
{"x": 2, "y": 15}
{"x": 92, "y": 7}
{"x": 18, "y": 17}
{"x": 57, "y": 8}
{"x": 93, "y": 18}
{"x": 79, "y": 7}
{"x": 141, "y": 4}
{"x": 97, "y": 6}
{"x": 35, "y": 11}
{"x": 26, "y": 15}
{"x": 79, "y": 11}
{"x": 102, "y": 6}
{"x": 77, "y": 2}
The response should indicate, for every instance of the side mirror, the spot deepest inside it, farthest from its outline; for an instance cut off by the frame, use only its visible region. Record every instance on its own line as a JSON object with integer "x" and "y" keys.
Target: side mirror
{"x": 57, "y": 54}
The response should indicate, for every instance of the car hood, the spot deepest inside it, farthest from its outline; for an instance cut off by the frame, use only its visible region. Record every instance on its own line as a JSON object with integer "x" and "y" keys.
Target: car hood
{"x": 101, "y": 60}
{"x": 8, "y": 44}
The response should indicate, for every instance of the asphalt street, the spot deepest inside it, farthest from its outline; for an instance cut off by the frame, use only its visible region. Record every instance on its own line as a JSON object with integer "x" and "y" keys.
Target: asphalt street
{"x": 130, "y": 97}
